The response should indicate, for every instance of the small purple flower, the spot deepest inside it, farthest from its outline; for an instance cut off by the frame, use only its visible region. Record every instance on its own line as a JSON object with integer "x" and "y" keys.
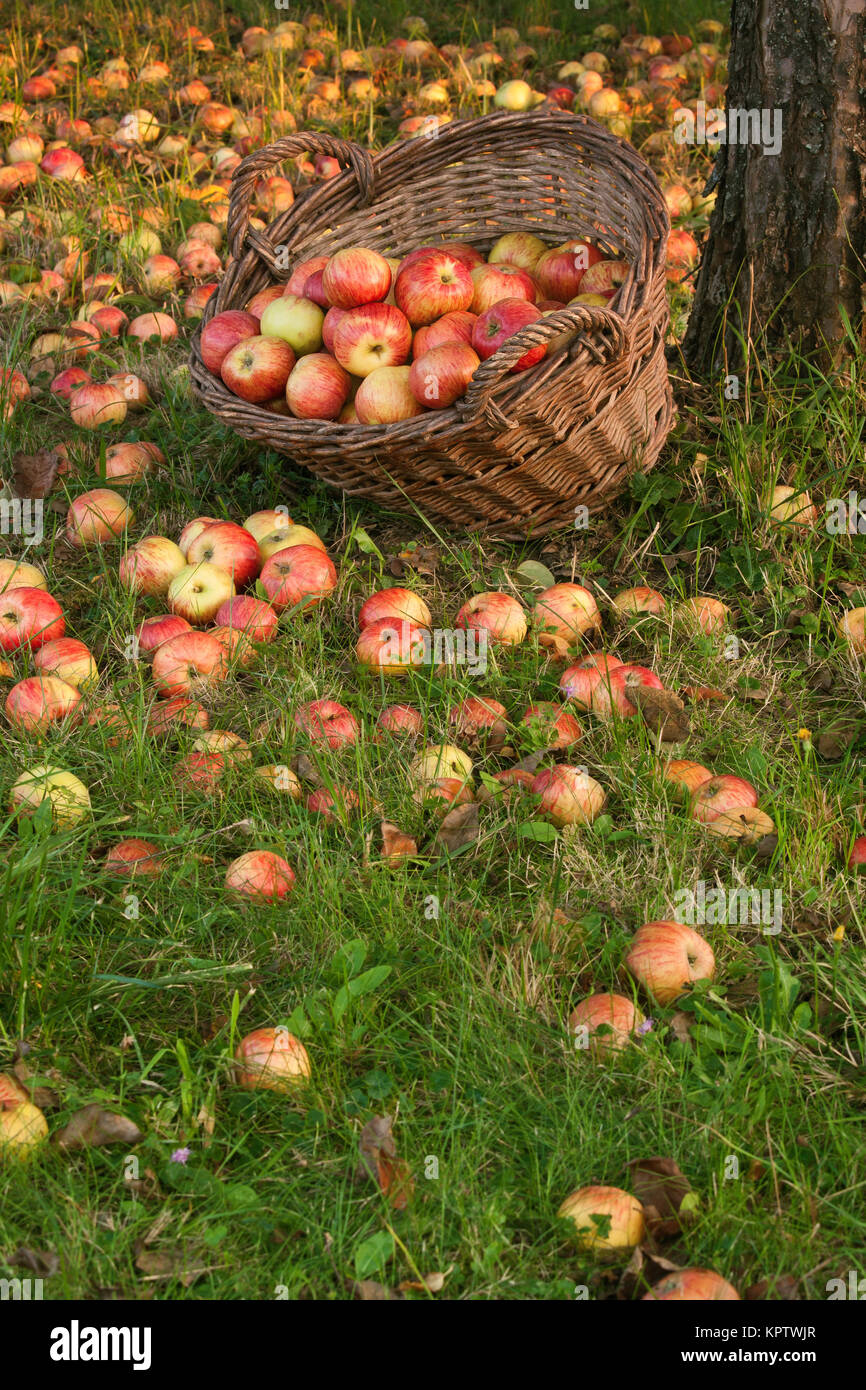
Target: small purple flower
{"x": 180, "y": 1155}
{"x": 645, "y": 1027}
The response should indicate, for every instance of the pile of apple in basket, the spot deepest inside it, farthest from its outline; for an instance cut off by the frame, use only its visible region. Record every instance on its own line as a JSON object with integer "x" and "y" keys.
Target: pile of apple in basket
{"x": 364, "y": 339}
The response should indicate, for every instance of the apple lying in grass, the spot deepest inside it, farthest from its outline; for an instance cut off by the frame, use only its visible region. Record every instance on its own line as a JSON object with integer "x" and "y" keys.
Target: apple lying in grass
{"x": 69, "y": 798}
{"x": 500, "y": 615}
{"x": 604, "y": 1023}
{"x": 686, "y": 776}
{"x": 176, "y": 712}
{"x": 721, "y": 795}
{"x": 513, "y": 781}
{"x": 441, "y": 760}
{"x": 639, "y": 600}
{"x": 333, "y": 803}
{"x": 565, "y": 611}
{"x": 233, "y": 748}
{"x": 39, "y": 701}
{"x": 23, "y": 1127}
{"x": 29, "y": 618}
{"x": 747, "y": 824}
{"x": 150, "y": 566}
{"x": 693, "y": 1286}
{"x": 610, "y": 695}
{"x": 198, "y": 592}
{"x": 229, "y": 547}
{"x": 192, "y": 529}
{"x": 201, "y": 773}
{"x": 69, "y": 659}
{"x": 98, "y": 517}
{"x": 852, "y": 629}
{"x": 135, "y": 857}
{"x": 578, "y": 681}
{"x": 17, "y": 574}
{"x": 400, "y": 719}
{"x": 393, "y": 646}
{"x": 271, "y": 1059}
{"x": 280, "y": 778}
{"x": 96, "y": 404}
{"x": 299, "y": 575}
{"x": 703, "y": 613}
{"x": 857, "y": 854}
{"x": 790, "y": 506}
{"x": 152, "y": 632}
{"x": 478, "y": 715}
{"x": 556, "y": 726}
{"x": 327, "y": 721}
{"x": 398, "y": 603}
{"x": 249, "y": 615}
{"x": 260, "y": 876}
{"x": 568, "y": 795}
{"x": 606, "y": 1220}
{"x": 284, "y": 537}
{"x": 190, "y": 664}
{"x": 666, "y": 957}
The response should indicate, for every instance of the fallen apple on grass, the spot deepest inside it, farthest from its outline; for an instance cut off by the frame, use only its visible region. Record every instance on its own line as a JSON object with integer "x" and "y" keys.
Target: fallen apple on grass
{"x": 568, "y": 795}
{"x": 29, "y": 618}
{"x": 692, "y": 1285}
{"x": 629, "y": 602}
{"x": 151, "y": 565}
{"x": 666, "y": 957}
{"x": 395, "y": 603}
{"x": 152, "y": 632}
{"x": 606, "y": 1220}
{"x": 201, "y": 773}
{"x": 790, "y": 506}
{"x": 686, "y": 776}
{"x": 229, "y": 547}
{"x": 704, "y": 614}
{"x": 720, "y": 796}
{"x": 134, "y": 856}
{"x": 36, "y": 702}
{"x": 556, "y": 726}
{"x": 500, "y": 615}
{"x": 327, "y": 721}
{"x": 857, "y": 854}
{"x": 17, "y": 574}
{"x": 68, "y": 796}
{"x": 441, "y": 760}
{"x": 198, "y": 591}
{"x": 190, "y": 664}
{"x": 852, "y": 630}
{"x": 69, "y": 659}
{"x": 98, "y": 517}
{"x": 271, "y": 1059}
{"x": 298, "y": 575}
{"x": 400, "y": 719}
{"x": 260, "y": 876}
{"x": 23, "y": 1127}
{"x": 393, "y": 646}
{"x": 610, "y": 695}
{"x": 604, "y": 1023}
{"x": 565, "y": 611}
{"x": 279, "y": 777}
{"x": 252, "y": 616}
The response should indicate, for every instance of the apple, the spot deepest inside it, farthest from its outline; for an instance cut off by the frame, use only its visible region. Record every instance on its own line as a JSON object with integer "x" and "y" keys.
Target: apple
{"x": 393, "y": 646}
{"x": 455, "y": 327}
{"x": 150, "y": 565}
{"x": 693, "y": 1286}
{"x": 394, "y": 603}
{"x": 131, "y": 857}
{"x": 852, "y": 629}
{"x": 301, "y": 274}
{"x": 385, "y": 397}
{"x": 198, "y": 591}
{"x": 639, "y": 600}
{"x": 16, "y": 574}
{"x": 260, "y": 301}
{"x": 326, "y": 721}
{"x": 280, "y": 778}
{"x": 492, "y": 283}
{"x": 372, "y": 336}
{"x": 560, "y": 728}
{"x": 440, "y": 376}
{"x": 68, "y": 381}
{"x": 147, "y": 326}
{"x": 223, "y": 332}
{"x": 29, "y": 618}
{"x": 515, "y": 95}
{"x": 201, "y": 773}
{"x": 478, "y": 715}
{"x": 746, "y": 823}
{"x": 97, "y": 403}
{"x": 161, "y": 274}
{"x": 229, "y": 547}
{"x": 332, "y": 318}
{"x": 666, "y": 957}
{"x": 152, "y": 632}
{"x": 23, "y": 1127}
{"x": 685, "y": 775}
{"x": 128, "y": 461}
{"x": 285, "y": 537}
{"x": 249, "y": 615}
{"x": 606, "y": 1021}
{"x": 193, "y": 529}
{"x": 191, "y": 663}
{"x": 568, "y": 795}
{"x": 295, "y": 320}
{"x": 610, "y": 695}
{"x": 433, "y": 283}
{"x": 683, "y": 254}
{"x": 704, "y": 613}
{"x": 261, "y": 876}
{"x": 400, "y": 719}
{"x": 38, "y": 701}
{"x": 441, "y": 760}
{"x": 333, "y": 803}
{"x": 299, "y": 575}
{"x": 98, "y": 516}
{"x": 69, "y": 659}
{"x": 176, "y": 712}
{"x": 720, "y": 795}
{"x": 513, "y": 781}
{"x": 69, "y": 798}
{"x": 790, "y": 506}
{"x": 499, "y": 323}
{"x": 461, "y": 251}
{"x": 314, "y": 290}
{"x": 577, "y": 685}
{"x": 271, "y": 1059}
{"x": 194, "y": 304}
{"x": 257, "y": 369}
{"x": 604, "y": 277}
{"x": 857, "y": 854}
{"x": 499, "y": 614}
{"x": 318, "y": 387}
{"x": 565, "y": 611}
{"x": 448, "y": 790}
{"x": 264, "y": 523}
{"x": 355, "y": 275}
{"x": 606, "y": 1219}
{"x": 231, "y": 746}
{"x": 520, "y": 249}
{"x": 560, "y": 272}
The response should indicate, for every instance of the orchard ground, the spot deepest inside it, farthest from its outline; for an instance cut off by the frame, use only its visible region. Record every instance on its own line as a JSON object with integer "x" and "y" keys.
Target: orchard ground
{"x": 133, "y": 996}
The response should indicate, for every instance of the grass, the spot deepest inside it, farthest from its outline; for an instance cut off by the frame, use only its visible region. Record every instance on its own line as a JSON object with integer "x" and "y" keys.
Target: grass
{"x": 137, "y": 1002}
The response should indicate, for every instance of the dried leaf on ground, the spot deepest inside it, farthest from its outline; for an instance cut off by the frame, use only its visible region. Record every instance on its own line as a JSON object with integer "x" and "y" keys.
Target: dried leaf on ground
{"x": 368, "y": 1291}
{"x": 430, "y": 1283}
{"x": 379, "y": 1159}
{"x": 42, "y": 1263}
{"x": 661, "y": 710}
{"x": 459, "y": 828}
{"x": 395, "y": 844}
{"x": 33, "y": 475}
{"x": 184, "y": 1264}
{"x": 644, "y": 1269}
{"x": 782, "y": 1287}
{"x": 833, "y": 742}
{"x": 93, "y": 1128}
{"x": 666, "y": 1195}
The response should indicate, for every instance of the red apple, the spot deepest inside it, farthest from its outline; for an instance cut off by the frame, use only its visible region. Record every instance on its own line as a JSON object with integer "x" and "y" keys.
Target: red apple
{"x": 131, "y": 857}
{"x": 29, "y": 618}
{"x": 639, "y": 600}
{"x": 666, "y": 957}
{"x": 152, "y": 632}
{"x": 68, "y": 381}
{"x": 332, "y": 803}
{"x": 720, "y": 795}
{"x": 610, "y": 695}
{"x": 260, "y": 301}
{"x": 491, "y": 283}
{"x": 199, "y": 772}
{"x": 455, "y": 327}
{"x": 190, "y": 664}
{"x": 260, "y": 876}
{"x": 606, "y": 1219}
{"x": 147, "y": 326}
{"x": 228, "y": 546}
{"x": 150, "y": 565}
{"x": 500, "y": 614}
{"x": 326, "y": 721}
{"x": 69, "y": 659}
{"x": 38, "y": 701}
{"x": 271, "y": 1059}
{"x": 250, "y": 615}
{"x": 394, "y": 603}
{"x": 560, "y": 728}
{"x": 704, "y": 613}
{"x": 257, "y": 369}
{"x": 478, "y": 715}
{"x": 355, "y": 276}
{"x": 223, "y": 332}
{"x": 693, "y": 1286}
{"x": 393, "y": 646}
{"x": 500, "y": 322}
{"x": 329, "y": 327}
{"x": 97, "y": 516}
{"x": 192, "y": 529}
{"x": 318, "y": 387}
{"x": 565, "y": 611}
{"x": 97, "y": 403}
{"x": 857, "y": 855}
{"x": 685, "y": 775}
{"x": 434, "y": 283}
{"x": 176, "y": 712}
{"x": 400, "y": 719}
{"x": 606, "y": 1021}
{"x": 568, "y": 795}
{"x": 372, "y": 336}
{"x": 440, "y": 376}
{"x": 301, "y": 274}
{"x": 298, "y": 575}
{"x": 604, "y": 277}
{"x": 559, "y": 273}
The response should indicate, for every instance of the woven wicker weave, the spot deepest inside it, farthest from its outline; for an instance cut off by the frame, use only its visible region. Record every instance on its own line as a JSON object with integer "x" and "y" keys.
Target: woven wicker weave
{"x": 517, "y": 453}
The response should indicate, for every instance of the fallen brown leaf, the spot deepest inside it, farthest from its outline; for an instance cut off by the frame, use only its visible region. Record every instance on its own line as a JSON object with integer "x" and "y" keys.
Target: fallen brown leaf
{"x": 666, "y": 1195}
{"x": 396, "y": 845}
{"x": 93, "y": 1128}
{"x": 834, "y": 741}
{"x": 185, "y": 1265}
{"x": 368, "y": 1291}
{"x": 644, "y": 1269}
{"x": 783, "y": 1287}
{"x": 431, "y": 1283}
{"x": 681, "y": 1025}
{"x": 306, "y": 770}
{"x": 33, "y": 475}
{"x": 661, "y": 710}
{"x": 459, "y": 828}
{"x": 379, "y": 1159}
{"x": 42, "y": 1263}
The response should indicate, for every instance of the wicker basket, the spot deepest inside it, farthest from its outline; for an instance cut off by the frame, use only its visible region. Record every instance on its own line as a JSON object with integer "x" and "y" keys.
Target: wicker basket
{"x": 518, "y": 453}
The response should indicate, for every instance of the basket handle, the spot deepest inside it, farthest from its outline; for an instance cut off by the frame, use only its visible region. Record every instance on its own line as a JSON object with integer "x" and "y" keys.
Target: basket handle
{"x": 241, "y": 236}
{"x": 601, "y": 331}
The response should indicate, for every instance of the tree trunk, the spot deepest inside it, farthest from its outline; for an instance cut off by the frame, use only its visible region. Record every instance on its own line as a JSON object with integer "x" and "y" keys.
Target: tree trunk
{"x": 786, "y": 256}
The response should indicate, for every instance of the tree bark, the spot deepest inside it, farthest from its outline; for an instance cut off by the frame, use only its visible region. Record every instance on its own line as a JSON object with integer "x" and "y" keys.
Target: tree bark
{"x": 786, "y": 256}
